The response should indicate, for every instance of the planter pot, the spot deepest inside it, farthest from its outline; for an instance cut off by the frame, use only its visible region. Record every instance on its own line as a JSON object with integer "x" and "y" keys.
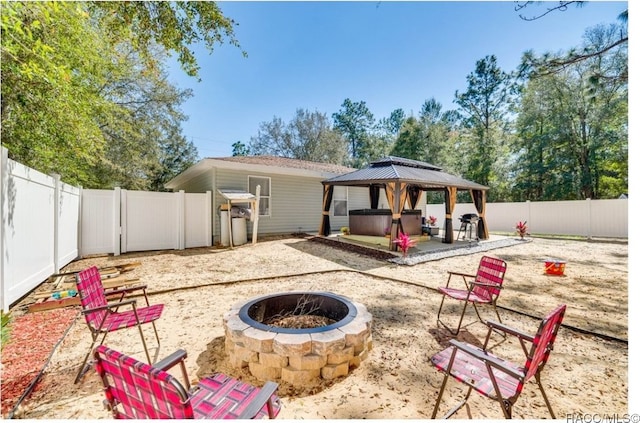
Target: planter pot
{"x": 433, "y": 231}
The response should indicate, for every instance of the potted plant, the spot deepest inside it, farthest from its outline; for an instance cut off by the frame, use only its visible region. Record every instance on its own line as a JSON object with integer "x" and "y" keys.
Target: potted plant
{"x": 405, "y": 242}
{"x": 345, "y": 230}
{"x": 521, "y": 229}
{"x": 387, "y": 232}
{"x": 433, "y": 229}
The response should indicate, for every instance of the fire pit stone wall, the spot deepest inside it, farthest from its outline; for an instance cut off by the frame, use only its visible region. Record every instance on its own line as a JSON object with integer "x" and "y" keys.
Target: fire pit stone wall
{"x": 297, "y": 358}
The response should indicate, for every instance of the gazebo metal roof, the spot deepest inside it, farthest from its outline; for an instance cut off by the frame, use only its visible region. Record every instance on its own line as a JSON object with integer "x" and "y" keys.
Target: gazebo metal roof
{"x": 398, "y": 169}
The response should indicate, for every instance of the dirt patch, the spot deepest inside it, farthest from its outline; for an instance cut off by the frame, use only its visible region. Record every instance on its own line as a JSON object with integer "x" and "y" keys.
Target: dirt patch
{"x": 353, "y": 248}
{"x": 587, "y": 371}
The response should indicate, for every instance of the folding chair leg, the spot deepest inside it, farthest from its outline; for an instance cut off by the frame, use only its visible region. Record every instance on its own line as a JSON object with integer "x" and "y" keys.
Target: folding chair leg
{"x": 435, "y": 408}
{"x": 84, "y": 368}
{"x": 144, "y": 343}
{"x": 455, "y": 408}
{"x": 507, "y": 408}
{"x": 464, "y": 309}
{"x": 496, "y": 310}
{"x": 544, "y": 395}
{"x": 475, "y": 307}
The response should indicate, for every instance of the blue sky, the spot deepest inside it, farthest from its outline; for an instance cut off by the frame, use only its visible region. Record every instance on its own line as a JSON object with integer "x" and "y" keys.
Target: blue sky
{"x": 314, "y": 55}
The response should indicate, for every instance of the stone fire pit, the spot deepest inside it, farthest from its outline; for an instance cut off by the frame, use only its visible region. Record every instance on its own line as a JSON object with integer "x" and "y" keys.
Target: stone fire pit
{"x": 298, "y": 356}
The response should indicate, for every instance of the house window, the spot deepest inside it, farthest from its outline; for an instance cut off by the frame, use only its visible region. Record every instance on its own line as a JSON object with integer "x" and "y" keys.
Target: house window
{"x": 339, "y": 201}
{"x": 265, "y": 193}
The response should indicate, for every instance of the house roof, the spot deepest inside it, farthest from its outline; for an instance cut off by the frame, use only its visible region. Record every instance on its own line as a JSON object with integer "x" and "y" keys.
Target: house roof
{"x": 422, "y": 174}
{"x": 287, "y": 163}
{"x": 262, "y": 164}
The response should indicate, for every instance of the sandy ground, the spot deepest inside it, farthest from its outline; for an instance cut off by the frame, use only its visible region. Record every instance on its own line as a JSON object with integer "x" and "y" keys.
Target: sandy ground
{"x": 587, "y": 372}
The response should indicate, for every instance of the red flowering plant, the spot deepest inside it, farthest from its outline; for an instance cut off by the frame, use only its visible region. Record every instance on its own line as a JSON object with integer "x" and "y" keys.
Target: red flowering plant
{"x": 405, "y": 242}
{"x": 521, "y": 229}
{"x": 432, "y": 220}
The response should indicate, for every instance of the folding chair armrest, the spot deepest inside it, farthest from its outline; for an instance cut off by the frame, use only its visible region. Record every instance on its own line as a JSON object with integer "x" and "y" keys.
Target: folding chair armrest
{"x": 511, "y": 331}
{"x": 485, "y": 358}
{"x": 488, "y": 285}
{"x": 259, "y": 401}
{"x": 132, "y": 301}
{"x": 171, "y": 360}
{"x": 461, "y": 274}
{"x": 126, "y": 290}
{"x": 110, "y": 305}
{"x": 464, "y": 278}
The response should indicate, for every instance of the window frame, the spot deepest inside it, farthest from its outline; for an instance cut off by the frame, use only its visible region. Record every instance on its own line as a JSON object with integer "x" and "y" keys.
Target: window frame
{"x": 345, "y": 199}
{"x": 262, "y": 195}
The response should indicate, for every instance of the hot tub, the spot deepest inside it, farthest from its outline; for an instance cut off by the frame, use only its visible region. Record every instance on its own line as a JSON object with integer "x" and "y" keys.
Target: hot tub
{"x": 375, "y": 221}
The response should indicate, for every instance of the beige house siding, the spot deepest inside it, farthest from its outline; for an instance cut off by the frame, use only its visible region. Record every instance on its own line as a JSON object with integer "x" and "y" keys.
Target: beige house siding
{"x": 296, "y": 201}
{"x": 202, "y": 182}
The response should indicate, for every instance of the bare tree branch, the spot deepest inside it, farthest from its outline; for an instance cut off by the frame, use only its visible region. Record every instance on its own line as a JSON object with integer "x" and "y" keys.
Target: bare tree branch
{"x": 561, "y": 6}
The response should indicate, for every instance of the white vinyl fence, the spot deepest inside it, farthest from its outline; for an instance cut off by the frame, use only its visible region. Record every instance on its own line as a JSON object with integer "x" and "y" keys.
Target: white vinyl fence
{"x": 39, "y": 228}
{"x": 588, "y": 218}
{"x": 119, "y": 221}
{"x": 46, "y": 224}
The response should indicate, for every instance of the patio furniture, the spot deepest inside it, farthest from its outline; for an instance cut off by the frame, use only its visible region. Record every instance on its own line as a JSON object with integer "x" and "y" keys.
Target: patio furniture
{"x": 135, "y": 390}
{"x": 103, "y": 317}
{"x": 492, "y": 376}
{"x": 482, "y": 288}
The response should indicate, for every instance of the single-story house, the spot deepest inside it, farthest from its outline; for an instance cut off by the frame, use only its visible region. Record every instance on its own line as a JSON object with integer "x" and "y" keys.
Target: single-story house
{"x": 291, "y": 191}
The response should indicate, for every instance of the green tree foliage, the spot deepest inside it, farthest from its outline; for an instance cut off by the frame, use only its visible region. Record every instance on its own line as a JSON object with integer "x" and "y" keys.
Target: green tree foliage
{"x": 240, "y": 149}
{"x": 572, "y": 132}
{"x": 355, "y": 122}
{"x": 484, "y": 106}
{"x": 84, "y": 92}
{"x": 48, "y": 98}
{"x": 145, "y": 146}
{"x": 389, "y": 127}
{"x": 308, "y": 136}
{"x": 411, "y": 140}
{"x": 440, "y": 132}
{"x": 173, "y": 25}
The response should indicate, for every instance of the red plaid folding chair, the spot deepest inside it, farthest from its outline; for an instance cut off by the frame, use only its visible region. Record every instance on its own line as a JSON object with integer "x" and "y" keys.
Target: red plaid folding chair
{"x": 482, "y": 288}
{"x": 492, "y": 376}
{"x": 136, "y": 390}
{"x": 103, "y": 317}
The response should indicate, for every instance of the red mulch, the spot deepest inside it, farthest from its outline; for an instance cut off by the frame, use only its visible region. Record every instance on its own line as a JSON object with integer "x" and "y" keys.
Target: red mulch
{"x": 33, "y": 337}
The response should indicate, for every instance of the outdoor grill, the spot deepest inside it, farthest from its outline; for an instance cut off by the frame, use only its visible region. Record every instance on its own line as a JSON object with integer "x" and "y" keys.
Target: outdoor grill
{"x": 468, "y": 221}
{"x": 469, "y": 218}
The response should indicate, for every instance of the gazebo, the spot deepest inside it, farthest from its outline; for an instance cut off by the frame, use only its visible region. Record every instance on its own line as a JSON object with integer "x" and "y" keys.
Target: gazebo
{"x": 405, "y": 179}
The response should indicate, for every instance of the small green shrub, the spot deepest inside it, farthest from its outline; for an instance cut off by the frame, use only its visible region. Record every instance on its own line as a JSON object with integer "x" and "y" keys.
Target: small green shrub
{"x": 6, "y": 328}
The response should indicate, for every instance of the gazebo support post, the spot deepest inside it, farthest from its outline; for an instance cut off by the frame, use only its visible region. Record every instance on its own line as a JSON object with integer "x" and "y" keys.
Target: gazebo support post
{"x": 449, "y": 204}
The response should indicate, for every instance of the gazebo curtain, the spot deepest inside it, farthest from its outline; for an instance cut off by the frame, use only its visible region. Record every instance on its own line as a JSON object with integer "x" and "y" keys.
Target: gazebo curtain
{"x": 325, "y": 225}
{"x": 374, "y": 196}
{"x": 480, "y": 201}
{"x": 414, "y": 193}
{"x": 396, "y": 197}
{"x": 449, "y": 205}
